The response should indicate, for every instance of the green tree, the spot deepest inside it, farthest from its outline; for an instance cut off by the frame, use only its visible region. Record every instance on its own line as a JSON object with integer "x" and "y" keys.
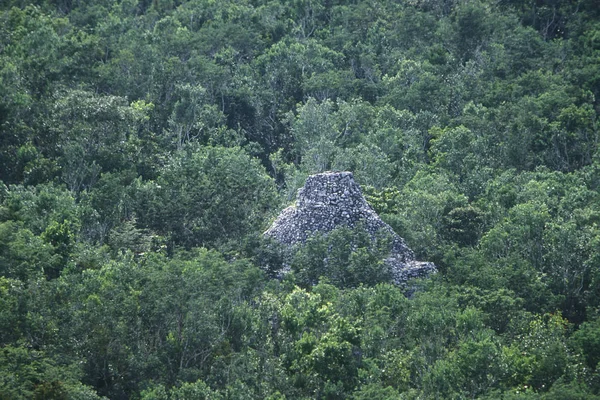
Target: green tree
{"x": 345, "y": 257}
{"x": 94, "y": 134}
{"x": 31, "y": 374}
{"x": 208, "y": 196}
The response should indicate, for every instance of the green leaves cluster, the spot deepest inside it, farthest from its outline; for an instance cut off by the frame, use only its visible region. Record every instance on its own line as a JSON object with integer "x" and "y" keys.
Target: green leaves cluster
{"x": 146, "y": 145}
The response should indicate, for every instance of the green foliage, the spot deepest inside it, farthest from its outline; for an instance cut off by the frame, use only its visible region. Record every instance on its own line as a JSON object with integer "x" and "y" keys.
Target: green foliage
{"x": 208, "y": 196}
{"x": 94, "y": 134}
{"x": 344, "y": 257}
{"x": 124, "y": 305}
{"x": 587, "y": 341}
{"x": 375, "y": 392}
{"x": 192, "y": 391}
{"x": 320, "y": 354}
{"x": 30, "y": 374}
{"x": 133, "y": 129}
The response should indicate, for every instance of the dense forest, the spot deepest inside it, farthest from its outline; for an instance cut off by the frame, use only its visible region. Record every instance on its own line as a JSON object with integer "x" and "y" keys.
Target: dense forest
{"x": 145, "y": 146}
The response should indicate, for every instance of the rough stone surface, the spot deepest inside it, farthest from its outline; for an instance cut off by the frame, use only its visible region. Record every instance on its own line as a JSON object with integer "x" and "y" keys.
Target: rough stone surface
{"x": 331, "y": 200}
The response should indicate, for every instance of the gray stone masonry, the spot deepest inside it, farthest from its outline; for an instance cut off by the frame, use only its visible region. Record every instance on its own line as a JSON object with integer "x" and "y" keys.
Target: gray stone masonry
{"x": 331, "y": 200}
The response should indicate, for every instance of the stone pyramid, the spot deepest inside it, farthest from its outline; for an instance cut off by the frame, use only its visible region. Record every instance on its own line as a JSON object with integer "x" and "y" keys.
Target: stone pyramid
{"x": 333, "y": 199}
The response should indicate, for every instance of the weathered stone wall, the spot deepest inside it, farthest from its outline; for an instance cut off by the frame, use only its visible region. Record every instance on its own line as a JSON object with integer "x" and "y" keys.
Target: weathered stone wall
{"x": 331, "y": 200}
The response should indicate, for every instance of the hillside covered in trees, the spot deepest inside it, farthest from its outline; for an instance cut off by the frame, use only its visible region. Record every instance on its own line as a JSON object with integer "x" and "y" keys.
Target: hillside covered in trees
{"x": 145, "y": 146}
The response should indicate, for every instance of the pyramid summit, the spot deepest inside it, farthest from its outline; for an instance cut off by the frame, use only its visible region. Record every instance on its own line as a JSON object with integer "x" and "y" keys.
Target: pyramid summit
{"x": 332, "y": 200}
